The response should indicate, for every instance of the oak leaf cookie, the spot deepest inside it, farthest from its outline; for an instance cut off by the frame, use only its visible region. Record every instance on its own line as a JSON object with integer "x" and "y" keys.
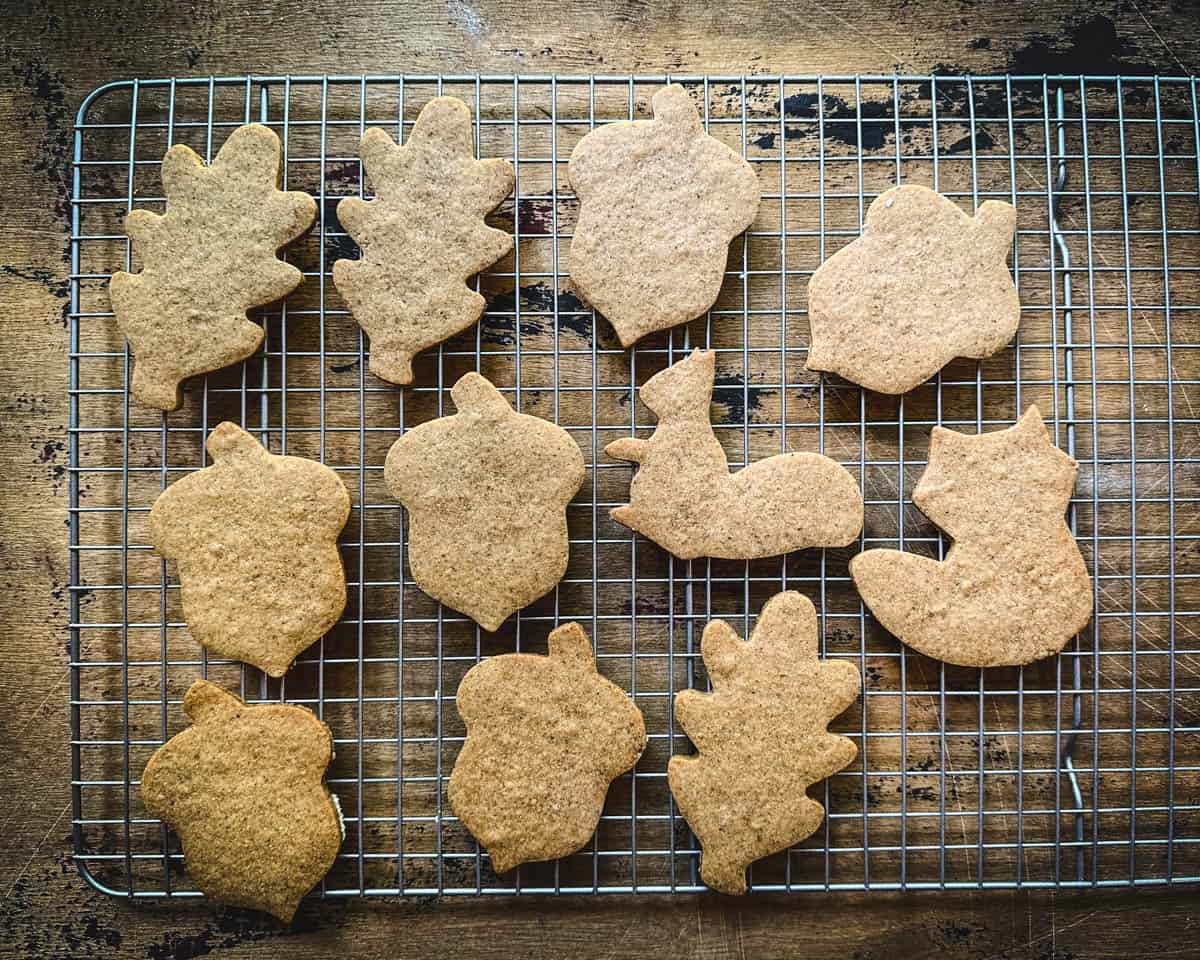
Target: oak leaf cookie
{"x": 545, "y": 738}
{"x": 1014, "y": 587}
{"x": 761, "y": 739}
{"x": 244, "y": 787}
{"x": 211, "y": 257}
{"x": 422, "y": 237}
{"x": 684, "y": 498}
{"x": 486, "y": 492}
{"x": 255, "y": 539}
{"x": 925, "y": 283}
{"x": 660, "y": 201}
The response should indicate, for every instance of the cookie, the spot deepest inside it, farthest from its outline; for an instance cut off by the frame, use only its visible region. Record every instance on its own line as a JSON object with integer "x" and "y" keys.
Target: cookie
{"x": 761, "y": 739}
{"x": 684, "y": 498}
{"x": 659, "y": 202}
{"x": 211, "y": 257}
{"x": 1014, "y": 587}
{"x": 545, "y": 738}
{"x": 255, "y": 539}
{"x": 244, "y": 787}
{"x": 486, "y": 492}
{"x": 925, "y": 283}
{"x": 422, "y": 237}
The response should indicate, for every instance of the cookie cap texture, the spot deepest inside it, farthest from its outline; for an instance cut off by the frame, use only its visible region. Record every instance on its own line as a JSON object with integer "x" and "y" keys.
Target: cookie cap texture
{"x": 486, "y": 491}
{"x": 244, "y": 789}
{"x": 545, "y": 738}
{"x": 1014, "y": 587}
{"x": 422, "y": 237}
{"x": 660, "y": 201}
{"x": 210, "y": 258}
{"x": 761, "y": 739}
{"x": 255, "y": 540}
{"x": 684, "y": 498}
{"x": 925, "y": 283}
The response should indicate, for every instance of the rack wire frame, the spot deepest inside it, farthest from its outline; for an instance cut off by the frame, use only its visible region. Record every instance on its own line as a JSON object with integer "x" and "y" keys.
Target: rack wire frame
{"x": 1083, "y": 770}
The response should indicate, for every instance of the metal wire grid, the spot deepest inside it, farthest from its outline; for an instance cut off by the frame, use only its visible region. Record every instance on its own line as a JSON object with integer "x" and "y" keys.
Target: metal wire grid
{"x": 1081, "y": 770}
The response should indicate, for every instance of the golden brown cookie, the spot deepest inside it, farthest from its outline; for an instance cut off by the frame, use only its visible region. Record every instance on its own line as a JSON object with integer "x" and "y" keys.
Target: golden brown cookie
{"x": 925, "y": 283}
{"x": 761, "y": 739}
{"x": 486, "y": 491}
{"x": 255, "y": 539}
{"x": 1013, "y": 587}
{"x": 211, "y": 257}
{"x": 244, "y": 787}
{"x": 545, "y": 738}
{"x": 422, "y": 237}
{"x": 684, "y": 498}
{"x": 660, "y": 201}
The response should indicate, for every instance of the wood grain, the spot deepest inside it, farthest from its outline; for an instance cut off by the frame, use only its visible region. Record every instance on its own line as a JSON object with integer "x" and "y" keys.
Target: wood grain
{"x": 54, "y": 53}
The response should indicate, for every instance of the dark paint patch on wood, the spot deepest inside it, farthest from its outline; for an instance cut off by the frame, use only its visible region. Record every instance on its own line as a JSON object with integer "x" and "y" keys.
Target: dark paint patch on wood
{"x": 50, "y": 450}
{"x": 55, "y": 285}
{"x": 805, "y": 106}
{"x": 91, "y": 933}
{"x": 341, "y": 246}
{"x": 573, "y": 314}
{"x": 981, "y": 139}
{"x": 1093, "y": 46}
{"x": 730, "y": 390}
{"x": 535, "y": 217}
{"x": 50, "y": 113}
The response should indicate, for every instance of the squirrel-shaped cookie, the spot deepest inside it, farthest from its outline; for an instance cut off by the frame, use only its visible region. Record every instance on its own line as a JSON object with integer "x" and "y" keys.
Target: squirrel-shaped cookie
{"x": 422, "y": 237}
{"x": 1014, "y": 587}
{"x": 211, "y": 257}
{"x": 925, "y": 283}
{"x": 244, "y": 787}
{"x": 761, "y": 739}
{"x": 660, "y": 201}
{"x": 684, "y": 498}
{"x": 545, "y": 738}
{"x": 255, "y": 539}
{"x": 486, "y": 492}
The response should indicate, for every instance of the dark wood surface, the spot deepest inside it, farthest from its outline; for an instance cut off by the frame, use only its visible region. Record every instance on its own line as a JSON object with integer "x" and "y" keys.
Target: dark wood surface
{"x": 54, "y": 53}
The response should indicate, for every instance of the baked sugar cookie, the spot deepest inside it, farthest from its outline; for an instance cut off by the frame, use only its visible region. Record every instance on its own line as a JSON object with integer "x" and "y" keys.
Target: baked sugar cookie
{"x": 684, "y": 498}
{"x": 486, "y": 492}
{"x": 255, "y": 539}
{"x": 244, "y": 787}
{"x": 422, "y": 237}
{"x": 1014, "y": 587}
{"x": 545, "y": 738}
{"x": 660, "y": 201}
{"x": 211, "y": 257}
{"x": 925, "y": 283}
{"x": 761, "y": 739}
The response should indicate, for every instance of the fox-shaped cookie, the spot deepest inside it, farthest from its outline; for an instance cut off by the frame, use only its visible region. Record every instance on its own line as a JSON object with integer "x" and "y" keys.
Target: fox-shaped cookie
{"x": 1014, "y": 587}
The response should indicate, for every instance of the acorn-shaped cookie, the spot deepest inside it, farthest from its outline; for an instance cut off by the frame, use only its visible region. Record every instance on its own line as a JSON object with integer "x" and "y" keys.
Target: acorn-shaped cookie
{"x": 211, "y": 257}
{"x": 244, "y": 788}
{"x": 486, "y": 492}
{"x": 925, "y": 283}
{"x": 255, "y": 539}
{"x": 545, "y": 738}
{"x": 659, "y": 202}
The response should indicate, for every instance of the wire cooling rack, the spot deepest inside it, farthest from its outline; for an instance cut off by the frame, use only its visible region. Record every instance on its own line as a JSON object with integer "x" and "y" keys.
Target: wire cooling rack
{"x": 1080, "y": 770}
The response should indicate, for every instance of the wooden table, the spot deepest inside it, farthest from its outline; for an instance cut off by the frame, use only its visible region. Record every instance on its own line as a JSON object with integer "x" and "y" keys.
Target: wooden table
{"x": 56, "y": 52}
